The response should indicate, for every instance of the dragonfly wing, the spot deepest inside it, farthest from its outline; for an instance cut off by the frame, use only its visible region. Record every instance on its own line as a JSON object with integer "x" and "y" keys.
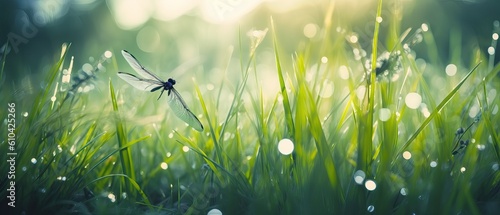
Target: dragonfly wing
{"x": 140, "y": 83}
{"x": 181, "y": 110}
{"x": 141, "y": 70}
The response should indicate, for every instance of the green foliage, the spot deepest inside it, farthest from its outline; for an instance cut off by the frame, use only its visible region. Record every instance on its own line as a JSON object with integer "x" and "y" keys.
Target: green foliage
{"x": 68, "y": 149}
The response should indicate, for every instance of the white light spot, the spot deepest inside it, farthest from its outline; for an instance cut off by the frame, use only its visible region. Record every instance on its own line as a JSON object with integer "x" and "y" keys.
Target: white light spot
{"x": 324, "y": 59}
{"x": 370, "y": 208}
{"x": 353, "y": 39}
{"x": 494, "y": 36}
{"x": 326, "y": 89}
{"x": 491, "y": 50}
{"x": 33, "y": 160}
{"x": 25, "y": 114}
{"x": 433, "y": 164}
{"x": 285, "y": 146}
{"x": 384, "y": 114}
{"x": 185, "y": 148}
{"x": 130, "y": 14}
{"x": 164, "y": 165}
{"x": 424, "y": 27}
{"x": 451, "y": 70}
{"x": 359, "y": 177}
{"x": 462, "y": 170}
{"x": 474, "y": 110}
{"x": 310, "y": 30}
{"x": 53, "y": 98}
{"x": 343, "y": 72}
{"x": 112, "y": 197}
{"x": 495, "y": 167}
{"x": 214, "y": 212}
{"x": 370, "y": 185}
{"x": 407, "y": 155}
{"x": 360, "y": 92}
{"x": 108, "y": 54}
{"x": 379, "y": 19}
{"x": 169, "y": 154}
{"x": 413, "y": 100}
{"x": 495, "y": 110}
{"x": 403, "y": 191}
{"x": 481, "y": 147}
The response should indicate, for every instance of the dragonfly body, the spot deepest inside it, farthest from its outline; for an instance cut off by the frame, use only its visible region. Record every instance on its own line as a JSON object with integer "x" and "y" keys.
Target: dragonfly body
{"x": 150, "y": 82}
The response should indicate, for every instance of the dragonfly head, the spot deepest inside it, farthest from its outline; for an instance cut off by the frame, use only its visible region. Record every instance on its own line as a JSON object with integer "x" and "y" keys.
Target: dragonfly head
{"x": 171, "y": 81}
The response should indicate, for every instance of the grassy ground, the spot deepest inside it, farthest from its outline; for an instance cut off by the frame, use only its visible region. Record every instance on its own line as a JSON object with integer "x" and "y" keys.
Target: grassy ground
{"x": 362, "y": 141}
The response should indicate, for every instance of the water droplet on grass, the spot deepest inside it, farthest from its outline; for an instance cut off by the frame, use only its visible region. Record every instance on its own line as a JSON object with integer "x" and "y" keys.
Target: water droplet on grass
{"x": 164, "y": 165}
{"x": 403, "y": 191}
{"x": 407, "y": 155}
{"x": 285, "y": 146}
{"x": 359, "y": 177}
{"x": 370, "y": 185}
{"x": 370, "y": 208}
{"x": 433, "y": 164}
{"x": 185, "y": 148}
{"x": 214, "y": 212}
{"x": 451, "y": 70}
{"x": 33, "y": 160}
{"x": 413, "y": 100}
{"x": 384, "y": 114}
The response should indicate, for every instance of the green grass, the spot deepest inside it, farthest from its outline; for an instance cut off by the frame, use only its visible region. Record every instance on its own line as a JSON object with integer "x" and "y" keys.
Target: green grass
{"x": 118, "y": 152}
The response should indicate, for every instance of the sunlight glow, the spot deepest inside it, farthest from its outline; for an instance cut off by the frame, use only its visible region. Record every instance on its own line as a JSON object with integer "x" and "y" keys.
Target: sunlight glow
{"x": 413, "y": 100}
{"x": 462, "y": 170}
{"x": 33, "y": 160}
{"x": 379, "y": 19}
{"x": 285, "y": 146}
{"x": 370, "y": 185}
{"x": 185, "y": 148}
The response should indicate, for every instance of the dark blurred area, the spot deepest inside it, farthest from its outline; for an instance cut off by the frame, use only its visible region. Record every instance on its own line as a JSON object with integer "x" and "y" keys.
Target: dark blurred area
{"x": 36, "y": 28}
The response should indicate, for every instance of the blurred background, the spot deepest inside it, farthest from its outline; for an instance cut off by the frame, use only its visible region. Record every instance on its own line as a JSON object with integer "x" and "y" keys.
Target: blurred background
{"x": 167, "y": 33}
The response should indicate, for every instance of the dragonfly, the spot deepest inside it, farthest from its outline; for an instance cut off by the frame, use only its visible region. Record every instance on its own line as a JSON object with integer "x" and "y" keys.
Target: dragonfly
{"x": 148, "y": 81}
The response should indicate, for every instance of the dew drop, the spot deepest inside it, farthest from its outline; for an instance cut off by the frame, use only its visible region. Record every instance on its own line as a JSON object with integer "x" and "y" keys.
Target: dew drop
{"x": 359, "y": 177}
{"x": 424, "y": 27}
{"x": 462, "y": 169}
{"x": 112, "y": 197}
{"x": 451, "y": 70}
{"x": 164, "y": 165}
{"x": 285, "y": 146}
{"x": 370, "y": 208}
{"x": 370, "y": 185}
{"x": 185, "y": 148}
{"x": 494, "y": 36}
{"x": 491, "y": 50}
{"x": 343, "y": 72}
{"x": 214, "y": 212}
{"x": 379, "y": 19}
{"x": 108, "y": 54}
{"x": 413, "y": 100}
{"x": 433, "y": 164}
{"x": 384, "y": 114}
{"x": 403, "y": 191}
{"x": 407, "y": 155}
{"x": 33, "y": 160}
